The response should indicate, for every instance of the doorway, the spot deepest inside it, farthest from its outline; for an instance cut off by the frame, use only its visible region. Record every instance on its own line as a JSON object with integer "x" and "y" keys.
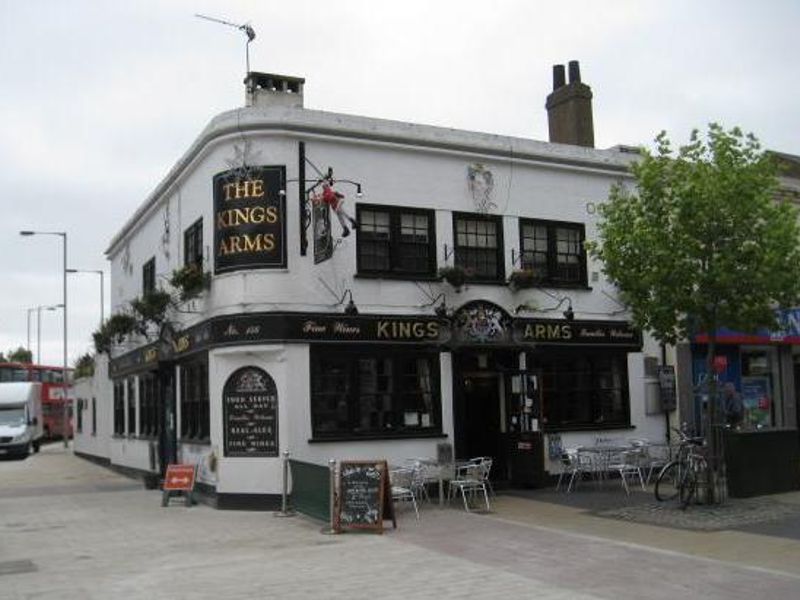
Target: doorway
{"x": 479, "y": 408}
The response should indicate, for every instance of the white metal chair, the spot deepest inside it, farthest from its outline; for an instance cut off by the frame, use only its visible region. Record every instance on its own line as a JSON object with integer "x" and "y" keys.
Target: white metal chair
{"x": 471, "y": 479}
{"x": 402, "y": 490}
{"x": 574, "y": 466}
{"x": 628, "y": 463}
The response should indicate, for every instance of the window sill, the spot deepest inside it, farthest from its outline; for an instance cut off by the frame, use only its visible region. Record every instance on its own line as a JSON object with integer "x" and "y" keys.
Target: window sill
{"x": 502, "y": 282}
{"x": 196, "y": 442}
{"x": 398, "y": 276}
{"x": 589, "y": 427}
{"x": 377, "y": 436}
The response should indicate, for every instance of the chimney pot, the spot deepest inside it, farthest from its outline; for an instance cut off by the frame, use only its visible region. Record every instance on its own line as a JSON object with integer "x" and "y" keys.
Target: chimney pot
{"x": 574, "y": 72}
{"x": 559, "y": 78}
{"x": 569, "y": 108}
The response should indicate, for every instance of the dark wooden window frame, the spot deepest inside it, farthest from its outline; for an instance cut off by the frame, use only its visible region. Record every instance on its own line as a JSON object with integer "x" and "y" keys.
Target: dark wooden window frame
{"x": 551, "y": 276}
{"x": 459, "y": 250}
{"x": 396, "y": 244}
{"x": 194, "y": 401}
{"x": 119, "y": 407}
{"x": 193, "y": 244}
{"x": 131, "y": 404}
{"x": 352, "y": 395}
{"x": 585, "y": 389}
{"x": 149, "y": 276}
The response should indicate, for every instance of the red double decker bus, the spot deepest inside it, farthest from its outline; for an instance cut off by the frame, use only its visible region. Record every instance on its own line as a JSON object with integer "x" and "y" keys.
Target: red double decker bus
{"x": 52, "y": 380}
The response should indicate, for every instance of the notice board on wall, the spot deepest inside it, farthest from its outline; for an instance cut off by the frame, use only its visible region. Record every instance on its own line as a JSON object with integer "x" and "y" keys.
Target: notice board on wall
{"x": 250, "y": 414}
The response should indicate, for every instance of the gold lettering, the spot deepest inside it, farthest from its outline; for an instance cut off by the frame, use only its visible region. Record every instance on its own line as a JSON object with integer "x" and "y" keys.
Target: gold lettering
{"x": 540, "y": 331}
{"x": 403, "y": 330}
{"x": 553, "y": 332}
{"x": 252, "y": 244}
{"x": 258, "y": 188}
{"x": 382, "y": 331}
{"x": 433, "y": 330}
{"x": 272, "y": 215}
{"x": 566, "y": 332}
{"x": 419, "y": 330}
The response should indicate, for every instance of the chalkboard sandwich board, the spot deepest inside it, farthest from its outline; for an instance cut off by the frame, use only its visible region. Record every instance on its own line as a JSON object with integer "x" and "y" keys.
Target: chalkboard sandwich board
{"x": 364, "y": 497}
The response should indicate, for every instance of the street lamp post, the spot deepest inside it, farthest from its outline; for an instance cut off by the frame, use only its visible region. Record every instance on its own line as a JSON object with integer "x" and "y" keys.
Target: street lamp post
{"x": 102, "y": 287}
{"x": 65, "y": 375}
{"x": 30, "y": 310}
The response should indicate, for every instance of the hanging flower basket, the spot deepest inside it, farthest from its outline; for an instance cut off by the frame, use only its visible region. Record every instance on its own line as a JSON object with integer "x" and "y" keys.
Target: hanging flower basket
{"x": 522, "y": 279}
{"x": 455, "y": 276}
{"x": 190, "y": 281}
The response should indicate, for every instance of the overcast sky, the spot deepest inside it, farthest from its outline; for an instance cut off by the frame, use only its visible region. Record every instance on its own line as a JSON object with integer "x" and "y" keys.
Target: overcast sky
{"x": 99, "y": 99}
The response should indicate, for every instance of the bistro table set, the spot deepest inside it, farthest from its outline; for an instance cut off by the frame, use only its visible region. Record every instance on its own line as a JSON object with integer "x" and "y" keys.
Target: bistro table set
{"x": 632, "y": 460}
{"x": 470, "y": 478}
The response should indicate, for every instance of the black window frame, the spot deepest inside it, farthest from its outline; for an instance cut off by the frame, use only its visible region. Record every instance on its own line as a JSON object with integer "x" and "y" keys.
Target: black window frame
{"x": 343, "y": 396}
{"x": 94, "y": 416}
{"x": 567, "y": 391}
{"x": 130, "y": 399}
{"x": 552, "y": 276}
{"x": 395, "y": 255}
{"x": 460, "y": 251}
{"x": 149, "y": 277}
{"x": 195, "y": 401}
{"x": 119, "y": 407}
{"x": 193, "y": 244}
{"x": 148, "y": 405}
{"x": 79, "y": 415}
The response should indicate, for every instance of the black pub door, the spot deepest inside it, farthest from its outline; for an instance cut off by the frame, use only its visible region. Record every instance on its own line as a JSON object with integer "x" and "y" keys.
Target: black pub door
{"x": 478, "y": 409}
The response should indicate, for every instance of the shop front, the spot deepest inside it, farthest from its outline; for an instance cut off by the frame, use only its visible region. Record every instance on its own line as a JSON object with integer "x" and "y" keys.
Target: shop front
{"x": 522, "y": 385}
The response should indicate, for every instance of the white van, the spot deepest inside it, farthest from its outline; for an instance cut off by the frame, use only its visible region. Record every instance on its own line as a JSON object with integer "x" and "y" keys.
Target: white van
{"x": 20, "y": 418}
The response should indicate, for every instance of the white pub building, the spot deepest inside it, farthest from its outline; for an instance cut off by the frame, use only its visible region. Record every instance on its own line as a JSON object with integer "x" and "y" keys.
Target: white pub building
{"x": 375, "y": 289}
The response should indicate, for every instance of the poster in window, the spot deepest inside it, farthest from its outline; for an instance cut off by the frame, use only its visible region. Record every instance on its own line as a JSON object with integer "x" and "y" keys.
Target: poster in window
{"x": 756, "y": 398}
{"x": 323, "y": 240}
{"x": 250, "y": 414}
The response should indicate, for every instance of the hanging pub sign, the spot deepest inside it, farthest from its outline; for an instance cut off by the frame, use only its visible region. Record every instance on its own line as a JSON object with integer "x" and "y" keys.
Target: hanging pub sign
{"x": 249, "y": 219}
{"x": 323, "y": 240}
{"x": 250, "y": 414}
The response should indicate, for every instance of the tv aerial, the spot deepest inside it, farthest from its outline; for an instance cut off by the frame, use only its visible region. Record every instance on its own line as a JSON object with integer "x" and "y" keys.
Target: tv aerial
{"x": 246, "y": 28}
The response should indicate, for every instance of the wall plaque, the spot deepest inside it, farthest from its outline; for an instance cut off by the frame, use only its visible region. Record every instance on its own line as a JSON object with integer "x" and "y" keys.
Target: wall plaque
{"x": 249, "y": 219}
{"x": 250, "y": 414}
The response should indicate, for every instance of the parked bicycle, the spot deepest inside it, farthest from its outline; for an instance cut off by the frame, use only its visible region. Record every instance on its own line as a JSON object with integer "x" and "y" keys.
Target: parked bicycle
{"x": 681, "y": 477}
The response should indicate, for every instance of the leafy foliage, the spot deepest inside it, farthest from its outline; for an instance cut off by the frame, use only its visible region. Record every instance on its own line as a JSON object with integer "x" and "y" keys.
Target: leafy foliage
{"x": 522, "y": 279}
{"x": 190, "y": 281}
{"x": 701, "y": 242}
{"x": 455, "y": 276}
{"x": 152, "y": 307}
{"x": 20, "y": 355}
{"x": 84, "y": 366}
{"x": 114, "y": 330}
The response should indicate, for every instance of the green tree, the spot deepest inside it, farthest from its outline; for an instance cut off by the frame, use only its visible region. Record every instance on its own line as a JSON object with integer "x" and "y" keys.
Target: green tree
{"x": 702, "y": 242}
{"x": 20, "y": 355}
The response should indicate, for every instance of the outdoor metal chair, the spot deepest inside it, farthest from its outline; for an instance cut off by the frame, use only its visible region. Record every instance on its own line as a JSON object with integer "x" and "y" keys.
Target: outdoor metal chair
{"x": 471, "y": 479}
{"x": 402, "y": 490}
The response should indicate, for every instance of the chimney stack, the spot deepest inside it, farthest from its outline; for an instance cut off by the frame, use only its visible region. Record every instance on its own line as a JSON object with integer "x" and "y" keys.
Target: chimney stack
{"x": 569, "y": 108}
{"x": 268, "y": 89}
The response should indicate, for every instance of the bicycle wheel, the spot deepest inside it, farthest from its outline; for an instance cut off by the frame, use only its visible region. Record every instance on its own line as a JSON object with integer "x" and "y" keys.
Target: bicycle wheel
{"x": 687, "y": 486}
{"x": 668, "y": 480}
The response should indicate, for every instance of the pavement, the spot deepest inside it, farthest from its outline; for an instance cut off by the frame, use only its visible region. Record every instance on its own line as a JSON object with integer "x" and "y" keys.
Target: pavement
{"x": 72, "y": 529}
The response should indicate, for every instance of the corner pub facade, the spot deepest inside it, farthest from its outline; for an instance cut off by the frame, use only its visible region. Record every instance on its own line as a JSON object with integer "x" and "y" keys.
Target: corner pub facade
{"x": 352, "y": 346}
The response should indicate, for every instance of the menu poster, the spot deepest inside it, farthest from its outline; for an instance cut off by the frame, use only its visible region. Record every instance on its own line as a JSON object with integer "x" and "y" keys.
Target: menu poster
{"x": 250, "y": 414}
{"x": 364, "y": 496}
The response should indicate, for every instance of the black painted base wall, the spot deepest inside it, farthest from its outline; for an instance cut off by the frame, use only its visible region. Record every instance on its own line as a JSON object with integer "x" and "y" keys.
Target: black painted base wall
{"x": 762, "y": 462}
